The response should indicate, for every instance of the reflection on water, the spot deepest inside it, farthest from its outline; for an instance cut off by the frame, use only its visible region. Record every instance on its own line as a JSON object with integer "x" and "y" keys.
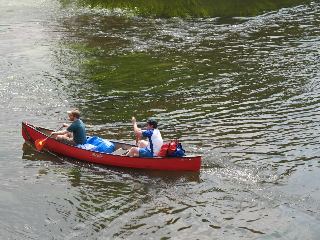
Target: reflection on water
{"x": 243, "y": 92}
{"x": 106, "y": 194}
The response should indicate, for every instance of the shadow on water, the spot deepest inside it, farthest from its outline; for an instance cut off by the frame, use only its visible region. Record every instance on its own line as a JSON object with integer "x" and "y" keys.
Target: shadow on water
{"x": 101, "y": 196}
{"x": 136, "y": 175}
{"x": 193, "y": 8}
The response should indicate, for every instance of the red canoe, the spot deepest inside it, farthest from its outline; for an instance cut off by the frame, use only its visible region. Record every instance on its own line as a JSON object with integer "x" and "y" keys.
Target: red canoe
{"x": 187, "y": 163}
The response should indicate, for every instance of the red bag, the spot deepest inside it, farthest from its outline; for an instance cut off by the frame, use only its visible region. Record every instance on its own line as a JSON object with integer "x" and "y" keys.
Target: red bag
{"x": 168, "y": 148}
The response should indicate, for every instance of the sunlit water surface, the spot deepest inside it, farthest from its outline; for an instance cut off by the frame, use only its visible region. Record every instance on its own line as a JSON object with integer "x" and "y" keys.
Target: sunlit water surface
{"x": 241, "y": 92}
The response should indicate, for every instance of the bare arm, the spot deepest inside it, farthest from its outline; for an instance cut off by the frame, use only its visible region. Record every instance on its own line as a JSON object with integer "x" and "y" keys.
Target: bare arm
{"x": 136, "y": 130}
{"x": 60, "y": 133}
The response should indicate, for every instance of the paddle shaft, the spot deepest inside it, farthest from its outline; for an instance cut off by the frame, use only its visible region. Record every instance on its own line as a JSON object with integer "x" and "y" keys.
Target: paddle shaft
{"x": 51, "y": 134}
{"x": 55, "y": 131}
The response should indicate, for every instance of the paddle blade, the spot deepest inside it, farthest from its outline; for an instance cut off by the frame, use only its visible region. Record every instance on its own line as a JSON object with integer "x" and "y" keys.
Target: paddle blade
{"x": 40, "y": 143}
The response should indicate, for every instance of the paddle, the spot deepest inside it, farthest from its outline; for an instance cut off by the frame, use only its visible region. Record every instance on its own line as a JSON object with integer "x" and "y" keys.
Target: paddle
{"x": 40, "y": 142}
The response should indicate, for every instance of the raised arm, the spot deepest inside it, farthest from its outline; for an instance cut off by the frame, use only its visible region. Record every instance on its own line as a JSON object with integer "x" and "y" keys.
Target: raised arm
{"x": 136, "y": 130}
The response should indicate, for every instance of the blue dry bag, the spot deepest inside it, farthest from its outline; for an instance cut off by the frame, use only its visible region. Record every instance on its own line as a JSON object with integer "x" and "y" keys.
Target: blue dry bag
{"x": 102, "y": 145}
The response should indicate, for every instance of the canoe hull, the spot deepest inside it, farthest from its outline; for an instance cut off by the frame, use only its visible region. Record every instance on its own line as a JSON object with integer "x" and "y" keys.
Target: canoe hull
{"x": 186, "y": 163}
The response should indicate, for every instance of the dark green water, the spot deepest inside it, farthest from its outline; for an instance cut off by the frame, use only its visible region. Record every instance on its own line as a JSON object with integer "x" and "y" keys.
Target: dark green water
{"x": 235, "y": 83}
{"x": 187, "y": 9}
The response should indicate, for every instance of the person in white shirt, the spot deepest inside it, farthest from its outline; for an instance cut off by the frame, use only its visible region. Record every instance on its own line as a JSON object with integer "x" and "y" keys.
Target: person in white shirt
{"x": 146, "y": 149}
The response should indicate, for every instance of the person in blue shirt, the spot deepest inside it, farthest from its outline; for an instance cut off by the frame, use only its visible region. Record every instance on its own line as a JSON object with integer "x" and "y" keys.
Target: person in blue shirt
{"x": 75, "y": 133}
{"x": 146, "y": 149}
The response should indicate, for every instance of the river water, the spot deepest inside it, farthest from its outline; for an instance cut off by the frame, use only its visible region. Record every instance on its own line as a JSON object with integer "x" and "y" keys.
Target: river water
{"x": 242, "y": 92}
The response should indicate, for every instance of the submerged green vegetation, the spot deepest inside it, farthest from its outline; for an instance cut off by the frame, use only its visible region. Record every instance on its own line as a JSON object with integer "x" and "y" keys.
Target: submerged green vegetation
{"x": 189, "y": 8}
{"x": 135, "y": 73}
{"x": 131, "y": 65}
